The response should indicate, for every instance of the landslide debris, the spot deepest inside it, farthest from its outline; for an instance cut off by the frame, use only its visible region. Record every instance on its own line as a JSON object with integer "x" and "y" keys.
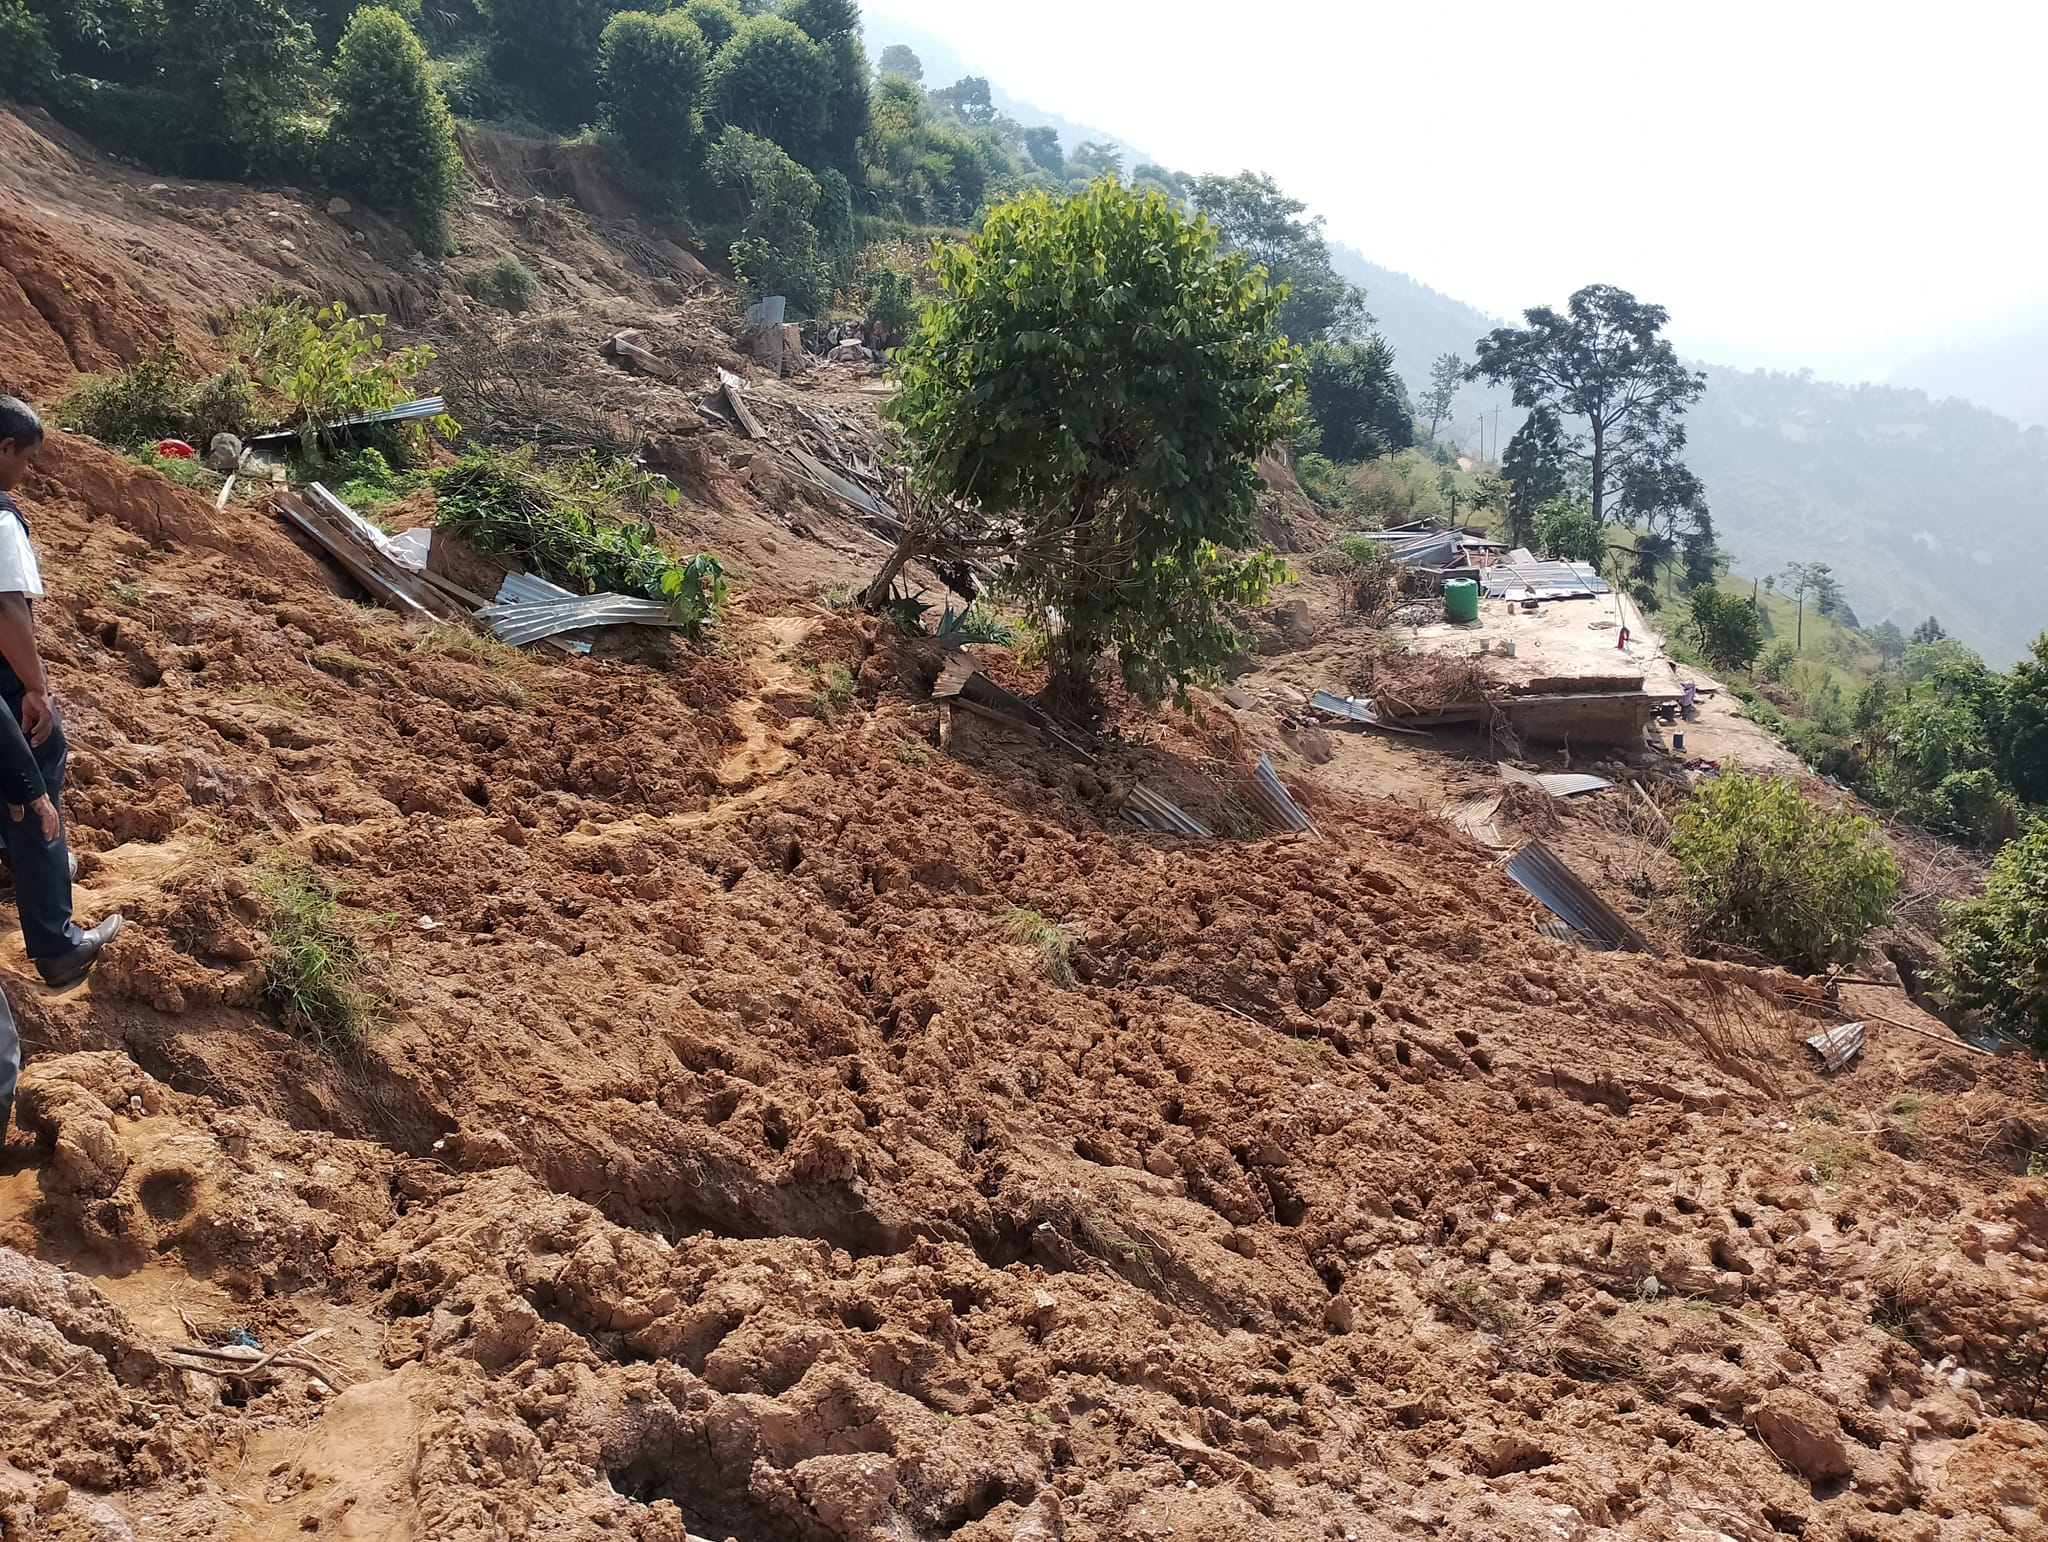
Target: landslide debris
{"x": 730, "y": 1162}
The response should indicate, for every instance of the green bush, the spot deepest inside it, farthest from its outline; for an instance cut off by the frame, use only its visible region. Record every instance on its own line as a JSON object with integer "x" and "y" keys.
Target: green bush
{"x": 774, "y": 197}
{"x": 892, "y": 303}
{"x": 1998, "y": 944}
{"x": 546, "y": 51}
{"x": 507, "y": 283}
{"x": 770, "y": 80}
{"x": 1778, "y": 662}
{"x": 653, "y": 71}
{"x": 154, "y": 399}
{"x": 575, "y": 524}
{"x": 717, "y": 20}
{"x": 28, "y": 61}
{"x": 392, "y": 140}
{"x": 1768, "y": 870}
{"x": 1727, "y": 628}
{"x": 1567, "y": 532}
{"x": 329, "y": 366}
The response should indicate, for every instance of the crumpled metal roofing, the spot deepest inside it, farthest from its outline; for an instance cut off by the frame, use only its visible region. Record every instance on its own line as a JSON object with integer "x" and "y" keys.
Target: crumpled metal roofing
{"x": 1280, "y": 809}
{"x": 1837, "y": 1046}
{"x": 1539, "y": 870}
{"x": 531, "y": 621}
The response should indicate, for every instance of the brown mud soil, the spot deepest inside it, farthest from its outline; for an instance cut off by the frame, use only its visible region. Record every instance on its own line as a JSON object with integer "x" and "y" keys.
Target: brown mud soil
{"x": 781, "y": 1126}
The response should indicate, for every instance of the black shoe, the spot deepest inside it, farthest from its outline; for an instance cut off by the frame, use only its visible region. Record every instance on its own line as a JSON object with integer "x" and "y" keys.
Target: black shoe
{"x": 68, "y": 969}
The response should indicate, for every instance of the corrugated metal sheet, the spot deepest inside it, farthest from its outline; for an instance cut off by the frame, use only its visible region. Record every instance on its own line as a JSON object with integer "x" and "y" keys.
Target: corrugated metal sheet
{"x": 1356, "y": 708}
{"x": 1538, "y": 869}
{"x": 416, "y": 411}
{"x": 1543, "y": 580}
{"x": 535, "y": 620}
{"x": 1148, "y": 809}
{"x": 1838, "y": 1046}
{"x": 1559, "y": 784}
{"x": 1280, "y": 809}
{"x": 526, "y": 589}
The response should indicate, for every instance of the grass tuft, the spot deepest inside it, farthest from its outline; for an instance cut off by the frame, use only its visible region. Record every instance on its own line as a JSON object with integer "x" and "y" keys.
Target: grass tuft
{"x": 317, "y": 970}
{"x": 1031, "y": 928}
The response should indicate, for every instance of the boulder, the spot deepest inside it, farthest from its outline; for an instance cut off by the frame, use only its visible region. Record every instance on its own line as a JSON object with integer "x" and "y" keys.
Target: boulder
{"x": 224, "y": 454}
{"x": 340, "y": 206}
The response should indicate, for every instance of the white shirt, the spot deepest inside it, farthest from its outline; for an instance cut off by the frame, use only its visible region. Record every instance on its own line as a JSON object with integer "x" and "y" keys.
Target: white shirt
{"x": 19, "y": 573}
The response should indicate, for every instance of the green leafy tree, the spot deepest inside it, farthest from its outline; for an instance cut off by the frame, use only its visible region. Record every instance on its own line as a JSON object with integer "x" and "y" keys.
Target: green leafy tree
{"x": 1603, "y": 363}
{"x": 834, "y": 25}
{"x": 1042, "y": 144}
{"x": 1889, "y": 642}
{"x": 547, "y": 50}
{"x": 1808, "y": 581}
{"x": 1767, "y": 870}
{"x": 770, "y": 80}
{"x": 1358, "y": 400}
{"x": 716, "y": 20}
{"x": 1568, "y": 532}
{"x": 775, "y": 201}
{"x": 900, "y": 62}
{"x": 653, "y": 71}
{"x": 970, "y": 100}
{"x": 329, "y": 19}
{"x": 1700, "y": 558}
{"x": 29, "y": 64}
{"x": 391, "y": 140}
{"x": 1445, "y": 376}
{"x": 2023, "y": 743}
{"x": 1928, "y": 631}
{"x": 1099, "y": 368}
{"x": 1534, "y": 471}
{"x": 1267, "y": 226}
{"x": 1728, "y": 629}
{"x": 1093, "y": 158}
{"x": 1998, "y": 944}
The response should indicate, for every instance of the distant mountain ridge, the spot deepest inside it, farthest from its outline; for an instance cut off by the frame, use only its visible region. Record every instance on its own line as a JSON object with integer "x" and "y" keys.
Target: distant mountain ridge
{"x": 1922, "y": 506}
{"x": 2007, "y": 373}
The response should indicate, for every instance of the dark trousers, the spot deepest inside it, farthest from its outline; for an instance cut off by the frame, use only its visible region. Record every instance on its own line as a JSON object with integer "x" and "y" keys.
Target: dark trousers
{"x": 42, "y": 869}
{"x": 10, "y": 1062}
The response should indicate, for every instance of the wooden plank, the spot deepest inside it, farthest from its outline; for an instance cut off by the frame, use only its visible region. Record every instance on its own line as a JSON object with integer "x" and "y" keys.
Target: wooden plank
{"x": 397, "y": 587}
{"x": 735, "y": 397}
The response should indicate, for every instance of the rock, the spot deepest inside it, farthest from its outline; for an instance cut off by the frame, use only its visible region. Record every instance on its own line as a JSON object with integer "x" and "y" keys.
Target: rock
{"x": 1804, "y": 1433}
{"x": 340, "y": 206}
{"x": 224, "y": 454}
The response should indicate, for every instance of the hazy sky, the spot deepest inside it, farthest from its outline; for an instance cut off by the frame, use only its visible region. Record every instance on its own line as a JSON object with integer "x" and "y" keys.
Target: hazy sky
{"x": 1801, "y": 182}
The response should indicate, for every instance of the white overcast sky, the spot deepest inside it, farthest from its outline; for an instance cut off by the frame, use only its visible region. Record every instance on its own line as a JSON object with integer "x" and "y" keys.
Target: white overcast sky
{"x": 1802, "y": 182}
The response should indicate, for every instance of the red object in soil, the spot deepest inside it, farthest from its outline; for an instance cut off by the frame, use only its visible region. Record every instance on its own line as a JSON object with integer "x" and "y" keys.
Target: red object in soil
{"x": 176, "y": 449}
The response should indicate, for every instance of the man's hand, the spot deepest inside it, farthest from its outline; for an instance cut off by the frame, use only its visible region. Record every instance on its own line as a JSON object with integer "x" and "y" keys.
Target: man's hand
{"x": 46, "y": 815}
{"x": 38, "y": 717}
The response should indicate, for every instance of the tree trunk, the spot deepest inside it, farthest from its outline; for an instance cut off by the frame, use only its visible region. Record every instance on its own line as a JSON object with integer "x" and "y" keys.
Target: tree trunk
{"x": 909, "y": 546}
{"x": 1599, "y": 472}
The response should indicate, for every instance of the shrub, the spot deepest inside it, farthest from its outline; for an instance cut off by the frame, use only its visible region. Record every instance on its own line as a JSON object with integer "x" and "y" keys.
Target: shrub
{"x": 1567, "y": 532}
{"x": 1778, "y": 662}
{"x": 652, "y": 71}
{"x": 770, "y": 80}
{"x": 1727, "y": 627}
{"x": 317, "y": 971}
{"x": 1766, "y": 869}
{"x": 328, "y": 366}
{"x": 777, "y": 252}
{"x": 574, "y": 525}
{"x": 507, "y": 283}
{"x": 716, "y": 20}
{"x": 892, "y": 303}
{"x": 1998, "y": 944}
{"x": 153, "y": 399}
{"x": 28, "y": 62}
{"x": 1372, "y": 576}
{"x": 392, "y": 140}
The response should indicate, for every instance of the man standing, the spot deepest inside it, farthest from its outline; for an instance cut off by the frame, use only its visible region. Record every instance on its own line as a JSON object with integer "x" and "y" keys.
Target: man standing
{"x": 37, "y": 853}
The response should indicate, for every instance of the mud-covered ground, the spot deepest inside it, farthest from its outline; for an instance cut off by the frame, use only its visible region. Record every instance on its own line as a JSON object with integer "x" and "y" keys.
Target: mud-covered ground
{"x": 786, "y": 1127}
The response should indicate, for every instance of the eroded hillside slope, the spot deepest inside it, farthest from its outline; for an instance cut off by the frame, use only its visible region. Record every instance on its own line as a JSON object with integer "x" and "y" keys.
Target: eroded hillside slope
{"x": 734, "y": 1164}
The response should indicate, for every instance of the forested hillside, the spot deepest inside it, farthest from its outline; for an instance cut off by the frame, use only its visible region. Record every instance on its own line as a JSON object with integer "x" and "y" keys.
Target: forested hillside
{"x": 1921, "y": 507}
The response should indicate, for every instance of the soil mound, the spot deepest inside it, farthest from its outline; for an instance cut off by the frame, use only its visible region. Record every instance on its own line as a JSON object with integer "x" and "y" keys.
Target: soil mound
{"x": 783, "y": 1126}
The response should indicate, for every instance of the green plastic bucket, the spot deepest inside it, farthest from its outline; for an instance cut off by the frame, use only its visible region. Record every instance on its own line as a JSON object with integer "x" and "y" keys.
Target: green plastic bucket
{"x": 1461, "y": 600}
